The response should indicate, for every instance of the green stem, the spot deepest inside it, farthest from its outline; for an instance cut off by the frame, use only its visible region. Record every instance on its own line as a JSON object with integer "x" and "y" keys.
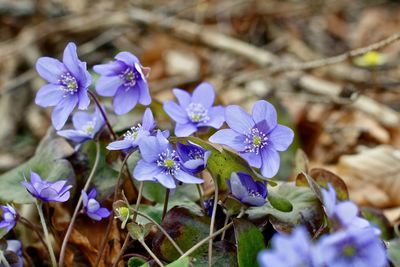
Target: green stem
{"x": 78, "y": 206}
{"x": 3, "y": 259}
{"x": 161, "y": 229}
{"x": 225, "y": 223}
{"x": 165, "y": 204}
{"x": 139, "y": 199}
{"x": 110, "y": 221}
{"x": 150, "y": 252}
{"x": 201, "y": 196}
{"x": 46, "y": 234}
{"x": 214, "y": 212}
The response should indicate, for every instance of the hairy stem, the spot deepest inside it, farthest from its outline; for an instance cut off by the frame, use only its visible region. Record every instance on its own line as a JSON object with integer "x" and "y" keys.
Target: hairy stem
{"x": 46, "y": 234}
{"x": 139, "y": 198}
{"x": 123, "y": 248}
{"x": 214, "y": 212}
{"x": 165, "y": 204}
{"x": 110, "y": 221}
{"x": 150, "y": 252}
{"x": 161, "y": 229}
{"x": 3, "y": 260}
{"x": 201, "y": 196}
{"x": 78, "y": 206}
{"x": 225, "y": 223}
{"x": 103, "y": 114}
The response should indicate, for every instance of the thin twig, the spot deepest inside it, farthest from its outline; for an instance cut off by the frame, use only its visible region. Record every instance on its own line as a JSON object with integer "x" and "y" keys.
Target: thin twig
{"x": 103, "y": 114}
{"x": 46, "y": 234}
{"x": 78, "y": 206}
{"x": 214, "y": 212}
{"x": 225, "y": 223}
{"x": 150, "y": 252}
{"x": 110, "y": 221}
{"x": 123, "y": 248}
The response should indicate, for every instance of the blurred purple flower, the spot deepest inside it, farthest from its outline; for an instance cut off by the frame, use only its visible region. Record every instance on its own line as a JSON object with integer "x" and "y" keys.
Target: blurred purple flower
{"x": 9, "y": 217}
{"x": 195, "y": 111}
{"x": 14, "y": 248}
{"x": 345, "y": 213}
{"x": 124, "y": 79}
{"x": 257, "y": 138}
{"x": 209, "y": 206}
{"x": 292, "y": 250}
{"x": 194, "y": 157}
{"x": 47, "y": 191}
{"x": 352, "y": 247}
{"x": 92, "y": 207}
{"x": 161, "y": 163}
{"x": 135, "y": 134}
{"x": 68, "y": 84}
{"x": 246, "y": 190}
{"x": 87, "y": 125}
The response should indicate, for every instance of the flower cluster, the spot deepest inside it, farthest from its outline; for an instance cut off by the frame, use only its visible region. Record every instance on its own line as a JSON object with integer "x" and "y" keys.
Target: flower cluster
{"x": 355, "y": 243}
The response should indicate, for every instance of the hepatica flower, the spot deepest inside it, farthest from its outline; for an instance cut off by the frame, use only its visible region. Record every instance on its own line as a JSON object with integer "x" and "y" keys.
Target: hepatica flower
{"x": 246, "y": 190}
{"x": 68, "y": 82}
{"x": 9, "y": 217}
{"x": 86, "y": 125}
{"x": 135, "y": 134}
{"x": 292, "y": 250}
{"x": 196, "y": 111}
{"x": 353, "y": 247}
{"x": 92, "y": 207}
{"x": 124, "y": 79}
{"x": 47, "y": 191}
{"x": 344, "y": 213}
{"x": 161, "y": 163}
{"x": 194, "y": 157}
{"x": 256, "y": 137}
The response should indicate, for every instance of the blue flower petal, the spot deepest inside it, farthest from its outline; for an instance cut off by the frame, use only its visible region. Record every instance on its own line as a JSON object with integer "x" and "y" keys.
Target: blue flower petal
{"x": 186, "y": 129}
{"x": 71, "y": 61}
{"x": 187, "y": 178}
{"x": 230, "y": 138}
{"x": 281, "y": 137}
{"x": 183, "y": 97}
{"x": 120, "y": 145}
{"x": 238, "y": 119}
{"x": 128, "y": 58}
{"x": 49, "y": 95}
{"x": 61, "y": 112}
{"x": 108, "y": 85}
{"x": 176, "y": 112}
{"x": 204, "y": 94}
{"x": 270, "y": 162}
{"x": 264, "y": 111}
{"x": 125, "y": 100}
{"x": 50, "y": 69}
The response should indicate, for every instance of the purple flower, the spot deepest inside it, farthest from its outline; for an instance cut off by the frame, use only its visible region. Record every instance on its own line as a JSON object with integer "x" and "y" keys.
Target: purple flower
{"x": 135, "y": 134}
{"x": 161, "y": 163}
{"x": 194, "y": 157}
{"x": 292, "y": 250}
{"x": 92, "y": 207}
{"x": 353, "y": 247}
{"x": 123, "y": 79}
{"x": 13, "y": 249}
{"x": 195, "y": 111}
{"x": 9, "y": 217}
{"x": 68, "y": 84}
{"x": 345, "y": 213}
{"x": 257, "y": 138}
{"x": 47, "y": 191}
{"x": 87, "y": 125}
{"x": 246, "y": 190}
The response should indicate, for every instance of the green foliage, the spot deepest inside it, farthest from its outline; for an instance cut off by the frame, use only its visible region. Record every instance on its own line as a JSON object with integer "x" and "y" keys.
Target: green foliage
{"x": 291, "y": 206}
{"x": 136, "y": 262}
{"x": 48, "y": 161}
{"x": 184, "y": 262}
{"x": 249, "y": 242}
{"x": 394, "y": 251}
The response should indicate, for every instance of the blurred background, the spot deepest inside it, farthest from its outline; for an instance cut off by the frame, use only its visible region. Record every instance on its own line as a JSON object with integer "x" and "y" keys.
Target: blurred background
{"x": 345, "y": 114}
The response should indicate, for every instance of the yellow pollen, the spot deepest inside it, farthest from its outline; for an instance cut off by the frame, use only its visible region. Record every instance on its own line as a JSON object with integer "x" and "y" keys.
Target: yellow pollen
{"x": 169, "y": 163}
{"x": 349, "y": 251}
{"x": 257, "y": 140}
{"x": 123, "y": 212}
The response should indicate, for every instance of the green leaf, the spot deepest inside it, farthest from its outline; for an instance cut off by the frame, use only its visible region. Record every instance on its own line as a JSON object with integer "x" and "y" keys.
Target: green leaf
{"x": 156, "y": 192}
{"x": 377, "y": 218}
{"x": 249, "y": 242}
{"x": 306, "y": 208}
{"x": 184, "y": 262}
{"x": 136, "y": 262}
{"x": 394, "y": 251}
{"x": 48, "y": 161}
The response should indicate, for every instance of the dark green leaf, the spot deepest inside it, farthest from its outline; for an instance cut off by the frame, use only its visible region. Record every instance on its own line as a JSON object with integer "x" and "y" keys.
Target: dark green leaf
{"x": 49, "y": 162}
{"x": 184, "y": 262}
{"x": 136, "y": 262}
{"x": 249, "y": 242}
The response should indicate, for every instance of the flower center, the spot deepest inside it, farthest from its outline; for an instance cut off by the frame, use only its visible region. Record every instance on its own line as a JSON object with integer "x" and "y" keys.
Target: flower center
{"x": 133, "y": 133}
{"x": 255, "y": 140}
{"x": 349, "y": 251}
{"x": 88, "y": 128}
{"x": 8, "y": 217}
{"x": 68, "y": 84}
{"x": 252, "y": 193}
{"x": 196, "y": 154}
{"x": 122, "y": 212}
{"x": 129, "y": 77}
{"x": 169, "y": 161}
{"x": 197, "y": 113}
